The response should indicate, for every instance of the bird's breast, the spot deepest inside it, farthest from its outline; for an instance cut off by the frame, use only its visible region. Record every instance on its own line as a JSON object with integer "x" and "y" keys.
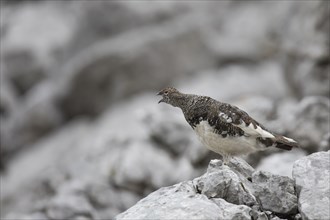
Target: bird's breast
{"x": 223, "y": 144}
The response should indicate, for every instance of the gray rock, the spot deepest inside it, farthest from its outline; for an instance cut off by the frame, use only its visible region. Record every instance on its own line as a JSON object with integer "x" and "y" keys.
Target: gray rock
{"x": 258, "y": 215}
{"x": 8, "y": 97}
{"x": 69, "y": 206}
{"x": 210, "y": 187}
{"x": 275, "y": 193}
{"x": 312, "y": 177}
{"x": 276, "y": 218}
{"x": 101, "y": 195}
{"x": 30, "y": 55}
{"x": 208, "y": 82}
{"x": 325, "y": 143}
{"x": 222, "y": 182}
{"x": 69, "y": 202}
{"x": 142, "y": 166}
{"x": 307, "y": 68}
{"x": 175, "y": 202}
{"x": 280, "y": 163}
{"x": 33, "y": 118}
{"x": 32, "y": 58}
{"x": 298, "y": 216}
{"x": 104, "y": 19}
{"x": 312, "y": 120}
{"x": 25, "y": 70}
{"x": 182, "y": 202}
{"x": 231, "y": 211}
{"x": 8, "y": 104}
{"x": 261, "y": 216}
{"x": 263, "y": 111}
{"x": 107, "y": 200}
{"x": 32, "y": 216}
{"x": 50, "y": 165}
{"x": 309, "y": 121}
{"x": 169, "y": 130}
{"x": 160, "y": 55}
{"x": 241, "y": 167}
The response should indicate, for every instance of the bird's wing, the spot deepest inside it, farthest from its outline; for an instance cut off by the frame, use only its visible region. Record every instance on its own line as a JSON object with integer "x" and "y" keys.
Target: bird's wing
{"x": 239, "y": 118}
{"x": 223, "y": 128}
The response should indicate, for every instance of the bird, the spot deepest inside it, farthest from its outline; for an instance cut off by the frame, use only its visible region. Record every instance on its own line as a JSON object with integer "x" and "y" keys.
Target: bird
{"x": 224, "y": 128}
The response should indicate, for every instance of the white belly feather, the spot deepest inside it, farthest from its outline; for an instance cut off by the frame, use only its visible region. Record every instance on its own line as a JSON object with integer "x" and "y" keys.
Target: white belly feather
{"x": 229, "y": 145}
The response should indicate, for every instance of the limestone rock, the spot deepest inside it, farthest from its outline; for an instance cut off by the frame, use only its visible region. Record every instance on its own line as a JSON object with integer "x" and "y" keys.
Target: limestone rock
{"x": 312, "y": 177}
{"x": 182, "y": 202}
{"x": 222, "y": 182}
{"x": 309, "y": 121}
{"x": 33, "y": 118}
{"x": 168, "y": 130}
{"x": 142, "y": 165}
{"x": 275, "y": 193}
{"x": 8, "y": 97}
{"x": 32, "y": 216}
{"x": 274, "y": 196}
{"x": 281, "y": 163}
{"x": 313, "y": 120}
{"x": 325, "y": 142}
{"x": 231, "y": 211}
{"x": 92, "y": 77}
{"x": 24, "y": 70}
{"x": 69, "y": 206}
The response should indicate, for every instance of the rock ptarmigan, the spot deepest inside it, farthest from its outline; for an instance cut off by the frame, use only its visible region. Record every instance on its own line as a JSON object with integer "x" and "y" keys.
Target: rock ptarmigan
{"x": 223, "y": 128}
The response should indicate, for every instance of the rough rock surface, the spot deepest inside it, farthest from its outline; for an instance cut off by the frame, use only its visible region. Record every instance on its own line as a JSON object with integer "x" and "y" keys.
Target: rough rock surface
{"x": 275, "y": 193}
{"x": 309, "y": 122}
{"x": 283, "y": 162}
{"x": 231, "y": 191}
{"x": 227, "y": 184}
{"x": 312, "y": 178}
{"x": 170, "y": 202}
{"x": 127, "y": 174}
{"x": 186, "y": 201}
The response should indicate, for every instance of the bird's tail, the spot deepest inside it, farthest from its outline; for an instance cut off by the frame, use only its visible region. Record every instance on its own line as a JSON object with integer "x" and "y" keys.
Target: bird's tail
{"x": 285, "y": 143}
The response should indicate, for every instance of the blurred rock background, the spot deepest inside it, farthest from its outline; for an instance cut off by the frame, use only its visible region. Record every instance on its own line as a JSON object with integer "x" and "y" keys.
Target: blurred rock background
{"x": 82, "y": 136}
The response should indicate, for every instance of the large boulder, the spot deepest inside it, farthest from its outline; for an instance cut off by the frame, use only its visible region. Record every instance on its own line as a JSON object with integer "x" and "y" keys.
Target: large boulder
{"x": 223, "y": 182}
{"x": 275, "y": 193}
{"x": 182, "y": 201}
{"x": 312, "y": 177}
{"x": 283, "y": 161}
{"x": 141, "y": 166}
{"x": 223, "y": 192}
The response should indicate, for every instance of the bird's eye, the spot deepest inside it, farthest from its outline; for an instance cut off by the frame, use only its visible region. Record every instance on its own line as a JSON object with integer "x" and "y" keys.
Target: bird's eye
{"x": 166, "y": 92}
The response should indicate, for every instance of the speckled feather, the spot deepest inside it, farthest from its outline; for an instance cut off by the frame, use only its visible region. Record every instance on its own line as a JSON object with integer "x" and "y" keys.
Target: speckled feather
{"x": 224, "y": 128}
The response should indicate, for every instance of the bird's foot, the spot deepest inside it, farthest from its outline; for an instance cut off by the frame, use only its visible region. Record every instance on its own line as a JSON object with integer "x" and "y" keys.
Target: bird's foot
{"x": 226, "y": 159}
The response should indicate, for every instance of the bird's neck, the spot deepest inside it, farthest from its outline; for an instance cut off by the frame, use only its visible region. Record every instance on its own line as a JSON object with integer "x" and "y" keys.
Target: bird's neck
{"x": 180, "y": 101}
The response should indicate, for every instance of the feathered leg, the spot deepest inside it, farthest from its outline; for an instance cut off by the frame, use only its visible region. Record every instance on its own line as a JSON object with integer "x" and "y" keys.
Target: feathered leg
{"x": 226, "y": 159}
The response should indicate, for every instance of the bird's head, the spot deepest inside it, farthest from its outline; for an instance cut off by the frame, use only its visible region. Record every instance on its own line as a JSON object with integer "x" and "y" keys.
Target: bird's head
{"x": 170, "y": 96}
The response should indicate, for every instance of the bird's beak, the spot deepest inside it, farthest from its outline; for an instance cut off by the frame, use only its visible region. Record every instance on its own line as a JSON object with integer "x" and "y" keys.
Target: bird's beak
{"x": 160, "y": 93}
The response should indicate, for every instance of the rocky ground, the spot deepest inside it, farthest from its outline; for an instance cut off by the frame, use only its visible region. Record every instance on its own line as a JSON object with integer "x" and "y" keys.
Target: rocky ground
{"x": 238, "y": 191}
{"x": 82, "y": 136}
